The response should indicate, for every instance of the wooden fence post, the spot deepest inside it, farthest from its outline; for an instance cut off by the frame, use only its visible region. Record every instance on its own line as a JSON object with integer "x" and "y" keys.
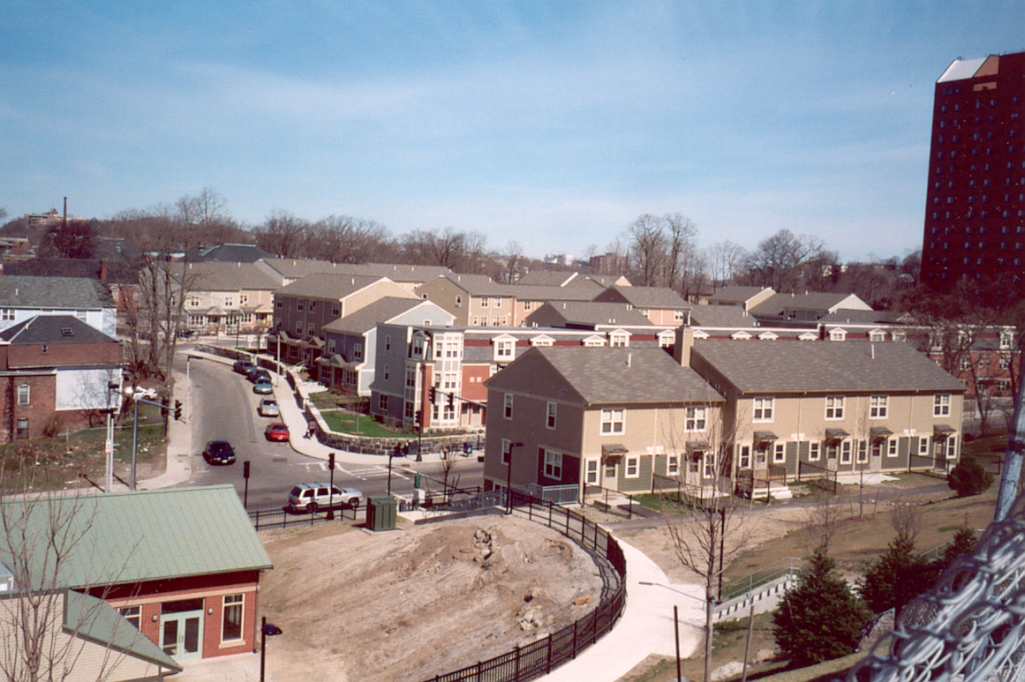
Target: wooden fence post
{"x": 549, "y": 514}
{"x": 548, "y": 655}
{"x": 575, "y": 639}
{"x": 516, "y": 676}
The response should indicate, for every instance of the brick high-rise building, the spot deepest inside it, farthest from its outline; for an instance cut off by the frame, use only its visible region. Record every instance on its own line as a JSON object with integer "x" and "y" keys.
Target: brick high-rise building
{"x": 975, "y": 206}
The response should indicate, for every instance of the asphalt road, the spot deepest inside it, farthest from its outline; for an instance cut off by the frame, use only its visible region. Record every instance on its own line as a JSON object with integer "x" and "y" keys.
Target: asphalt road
{"x": 224, "y": 408}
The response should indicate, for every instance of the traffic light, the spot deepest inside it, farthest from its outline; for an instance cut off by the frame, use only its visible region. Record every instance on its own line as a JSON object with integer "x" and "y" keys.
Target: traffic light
{"x": 419, "y": 417}
{"x": 451, "y": 401}
{"x": 433, "y": 394}
{"x": 245, "y": 469}
{"x": 177, "y": 410}
{"x": 331, "y": 461}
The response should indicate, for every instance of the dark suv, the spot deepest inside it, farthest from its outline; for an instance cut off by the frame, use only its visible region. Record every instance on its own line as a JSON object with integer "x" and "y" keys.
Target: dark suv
{"x": 258, "y": 374}
{"x": 243, "y": 366}
{"x": 219, "y": 452}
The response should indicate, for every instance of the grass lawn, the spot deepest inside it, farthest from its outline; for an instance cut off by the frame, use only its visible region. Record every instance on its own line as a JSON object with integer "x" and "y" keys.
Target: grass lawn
{"x": 663, "y": 503}
{"x": 360, "y": 424}
{"x": 329, "y": 400}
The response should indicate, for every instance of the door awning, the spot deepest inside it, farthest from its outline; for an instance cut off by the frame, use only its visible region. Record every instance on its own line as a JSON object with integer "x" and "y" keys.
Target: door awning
{"x": 613, "y": 450}
{"x": 764, "y": 437}
{"x": 834, "y": 435}
{"x": 877, "y": 433}
{"x": 697, "y": 446}
{"x": 942, "y": 431}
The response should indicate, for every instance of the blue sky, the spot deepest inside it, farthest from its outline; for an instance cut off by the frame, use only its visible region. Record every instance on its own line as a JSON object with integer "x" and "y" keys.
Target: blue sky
{"x": 554, "y": 124}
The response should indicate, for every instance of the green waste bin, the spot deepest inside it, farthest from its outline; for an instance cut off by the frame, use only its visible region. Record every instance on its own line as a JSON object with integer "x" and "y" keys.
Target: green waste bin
{"x": 381, "y": 512}
{"x": 417, "y": 480}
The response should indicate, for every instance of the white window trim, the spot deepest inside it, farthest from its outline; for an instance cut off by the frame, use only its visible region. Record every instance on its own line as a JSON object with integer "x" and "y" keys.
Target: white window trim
{"x": 884, "y": 407}
{"x": 699, "y": 417}
{"x": 505, "y": 445}
{"x": 507, "y": 406}
{"x": 551, "y": 415}
{"x": 740, "y": 456}
{"x": 923, "y": 451}
{"x": 808, "y": 336}
{"x": 673, "y": 465}
{"x": 768, "y": 336}
{"x": 941, "y": 409}
{"x": 892, "y": 447}
{"x": 862, "y": 454}
{"x": 837, "y": 334}
{"x": 588, "y": 472}
{"x": 636, "y": 465}
{"x": 242, "y": 621}
{"x": 842, "y": 407}
{"x": 28, "y": 395}
{"x": 779, "y": 453}
{"x": 602, "y": 422}
{"x": 555, "y": 459}
{"x": 814, "y": 451}
{"x": 740, "y": 336}
{"x": 771, "y": 410}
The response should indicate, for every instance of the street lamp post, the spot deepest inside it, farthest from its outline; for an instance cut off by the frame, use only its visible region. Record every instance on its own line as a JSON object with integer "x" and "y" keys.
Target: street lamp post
{"x": 135, "y": 431}
{"x": 508, "y": 476}
{"x": 266, "y": 630}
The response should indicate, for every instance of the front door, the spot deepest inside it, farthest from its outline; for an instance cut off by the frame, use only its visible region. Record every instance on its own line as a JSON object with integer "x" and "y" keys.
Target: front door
{"x": 181, "y": 634}
{"x": 611, "y": 478}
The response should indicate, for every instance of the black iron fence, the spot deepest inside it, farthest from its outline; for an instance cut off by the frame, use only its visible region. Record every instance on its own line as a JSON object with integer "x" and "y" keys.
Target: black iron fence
{"x": 817, "y": 475}
{"x": 543, "y": 655}
{"x": 266, "y": 519}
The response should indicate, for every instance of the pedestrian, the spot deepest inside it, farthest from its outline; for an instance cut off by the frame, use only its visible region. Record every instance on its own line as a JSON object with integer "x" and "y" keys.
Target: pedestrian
{"x": 311, "y": 428}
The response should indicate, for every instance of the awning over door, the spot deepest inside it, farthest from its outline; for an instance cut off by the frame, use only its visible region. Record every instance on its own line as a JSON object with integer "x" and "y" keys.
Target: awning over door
{"x": 613, "y": 451}
{"x": 834, "y": 435}
{"x": 942, "y": 431}
{"x": 764, "y": 437}
{"x": 878, "y": 433}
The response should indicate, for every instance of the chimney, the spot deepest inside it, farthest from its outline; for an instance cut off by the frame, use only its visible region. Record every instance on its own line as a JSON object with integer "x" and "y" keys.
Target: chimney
{"x": 872, "y": 347}
{"x": 629, "y": 357}
{"x": 683, "y": 344}
{"x": 104, "y": 272}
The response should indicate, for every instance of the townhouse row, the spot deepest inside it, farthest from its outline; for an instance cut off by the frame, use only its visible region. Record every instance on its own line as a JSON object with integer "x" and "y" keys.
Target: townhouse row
{"x": 716, "y": 416}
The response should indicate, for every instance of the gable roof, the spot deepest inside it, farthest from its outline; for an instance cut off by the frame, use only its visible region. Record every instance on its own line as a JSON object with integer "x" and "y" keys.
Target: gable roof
{"x": 776, "y": 304}
{"x": 601, "y": 376}
{"x": 133, "y": 537}
{"x": 476, "y": 285}
{"x": 233, "y": 253}
{"x": 18, "y": 291}
{"x": 651, "y": 297}
{"x": 528, "y": 292}
{"x": 604, "y": 280}
{"x": 367, "y": 317}
{"x": 94, "y": 620}
{"x": 53, "y": 330}
{"x": 548, "y": 278}
{"x": 330, "y": 286}
{"x": 732, "y": 316}
{"x": 821, "y": 366}
{"x": 591, "y": 314}
{"x": 295, "y": 268}
{"x": 224, "y": 276}
{"x": 119, "y": 271}
{"x": 735, "y": 294}
{"x": 842, "y": 316}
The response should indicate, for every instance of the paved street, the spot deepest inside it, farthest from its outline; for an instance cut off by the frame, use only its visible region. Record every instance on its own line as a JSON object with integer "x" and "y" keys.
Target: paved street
{"x": 224, "y": 408}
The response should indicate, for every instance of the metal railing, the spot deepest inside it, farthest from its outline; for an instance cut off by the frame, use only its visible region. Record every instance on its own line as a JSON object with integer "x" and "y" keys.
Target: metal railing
{"x": 817, "y": 475}
{"x": 543, "y": 655}
{"x": 266, "y": 519}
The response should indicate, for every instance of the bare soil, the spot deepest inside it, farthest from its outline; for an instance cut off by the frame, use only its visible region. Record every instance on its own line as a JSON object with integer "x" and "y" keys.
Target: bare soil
{"x": 421, "y": 601}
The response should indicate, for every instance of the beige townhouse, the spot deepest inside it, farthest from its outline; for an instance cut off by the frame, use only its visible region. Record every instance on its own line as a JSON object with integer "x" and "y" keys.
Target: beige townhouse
{"x": 564, "y": 423}
{"x": 528, "y": 299}
{"x": 830, "y": 408}
{"x": 475, "y": 300}
{"x": 223, "y": 297}
{"x": 662, "y": 305}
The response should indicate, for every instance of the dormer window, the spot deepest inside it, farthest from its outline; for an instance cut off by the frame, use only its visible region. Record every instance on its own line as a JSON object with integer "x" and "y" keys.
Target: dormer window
{"x": 767, "y": 336}
{"x": 1006, "y": 340}
{"x": 740, "y": 336}
{"x": 505, "y": 348}
{"x": 619, "y": 339}
{"x": 837, "y": 334}
{"x": 543, "y": 341}
{"x": 808, "y": 336}
{"x": 877, "y": 336}
{"x": 594, "y": 342}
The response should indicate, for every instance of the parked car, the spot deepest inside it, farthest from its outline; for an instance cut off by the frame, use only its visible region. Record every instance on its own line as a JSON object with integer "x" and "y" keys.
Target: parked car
{"x": 263, "y": 388}
{"x": 268, "y": 408}
{"x": 186, "y": 333}
{"x": 219, "y": 452}
{"x": 243, "y": 366}
{"x": 146, "y": 392}
{"x": 312, "y": 497}
{"x": 277, "y": 433}
{"x": 256, "y": 374}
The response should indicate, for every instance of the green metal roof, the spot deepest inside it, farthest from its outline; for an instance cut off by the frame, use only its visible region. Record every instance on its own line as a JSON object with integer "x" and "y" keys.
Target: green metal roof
{"x": 128, "y": 537}
{"x": 94, "y": 620}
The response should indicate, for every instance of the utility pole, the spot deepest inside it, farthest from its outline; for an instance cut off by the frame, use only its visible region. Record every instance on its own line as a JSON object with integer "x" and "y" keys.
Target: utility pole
{"x": 64, "y": 220}
{"x": 747, "y": 642}
{"x": 676, "y": 629}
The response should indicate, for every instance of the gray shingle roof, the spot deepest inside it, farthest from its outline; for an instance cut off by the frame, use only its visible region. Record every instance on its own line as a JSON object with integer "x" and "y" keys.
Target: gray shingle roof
{"x": 224, "y": 276}
{"x": 527, "y": 292}
{"x": 732, "y": 316}
{"x": 734, "y": 294}
{"x": 53, "y": 330}
{"x": 330, "y": 286}
{"x": 821, "y": 366}
{"x": 810, "y": 300}
{"x": 367, "y": 317}
{"x": 547, "y": 278}
{"x": 17, "y": 291}
{"x": 652, "y": 297}
{"x": 294, "y": 268}
{"x": 861, "y": 317}
{"x": 134, "y": 537}
{"x": 234, "y": 253}
{"x": 597, "y": 376}
{"x": 590, "y": 314}
{"x": 478, "y": 285}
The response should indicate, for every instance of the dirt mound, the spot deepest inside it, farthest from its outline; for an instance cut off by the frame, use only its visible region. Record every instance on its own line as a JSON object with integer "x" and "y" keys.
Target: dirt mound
{"x": 415, "y": 603}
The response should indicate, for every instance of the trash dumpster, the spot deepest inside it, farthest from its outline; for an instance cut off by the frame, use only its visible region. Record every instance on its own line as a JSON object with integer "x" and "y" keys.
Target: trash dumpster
{"x": 381, "y": 511}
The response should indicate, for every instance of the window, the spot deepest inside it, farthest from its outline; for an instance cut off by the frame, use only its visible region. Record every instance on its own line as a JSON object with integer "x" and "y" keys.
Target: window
{"x": 619, "y": 340}
{"x": 507, "y": 405}
{"x": 845, "y": 452}
{"x": 831, "y": 449}
{"x": 382, "y": 403}
{"x": 459, "y": 301}
{"x": 387, "y": 342}
{"x": 838, "y": 335}
{"x": 591, "y": 472}
{"x": 779, "y": 453}
{"x": 133, "y": 614}
{"x": 923, "y": 446}
{"x": 891, "y": 447}
{"x": 387, "y": 373}
{"x": 951, "y": 447}
{"x": 357, "y": 351}
{"x": 504, "y": 349}
{"x": 814, "y": 451}
{"x": 745, "y": 457}
{"x": 506, "y": 450}
{"x": 498, "y": 303}
{"x": 551, "y": 414}
{"x": 613, "y": 422}
{"x": 6, "y": 314}
{"x": 862, "y": 451}
{"x": 299, "y": 306}
{"x": 633, "y": 467}
{"x": 696, "y": 419}
{"x": 878, "y": 406}
{"x": 485, "y": 302}
{"x": 877, "y": 335}
{"x": 231, "y": 626}
{"x": 673, "y": 465}
{"x": 1006, "y": 339}
{"x": 21, "y": 428}
{"x": 24, "y": 394}
{"x": 709, "y": 464}
{"x": 834, "y": 407}
{"x": 763, "y": 409}
{"x": 229, "y": 302}
{"x": 941, "y": 405}
{"x": 553, "y": 464}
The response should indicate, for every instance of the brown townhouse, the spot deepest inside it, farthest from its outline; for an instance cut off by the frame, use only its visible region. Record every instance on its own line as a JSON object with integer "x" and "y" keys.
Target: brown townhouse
{"x": 566, "y": 422}
{"x": 301, "y": 309}
{"x": 475, "y": 300}
{"x": 662, "y": 305}
{"x": 842, "y": 407}
{"x": 529, "y": 298}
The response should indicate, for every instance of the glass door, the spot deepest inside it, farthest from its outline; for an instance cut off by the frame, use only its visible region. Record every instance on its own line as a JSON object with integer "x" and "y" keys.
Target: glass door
{"x": 181, "y": 635}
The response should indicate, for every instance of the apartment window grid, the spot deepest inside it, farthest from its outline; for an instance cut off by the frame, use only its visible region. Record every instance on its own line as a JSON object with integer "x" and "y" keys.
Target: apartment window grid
{"x": 613, "y": 422}
{"x": 591, "y": 472}
{"x": 709, "y": 459}
{"x": 878, "y": 406}
{"x": 619, "y": 340}
{"x": 505, "y": 349}
{"x": 24, "y": 394}
{"x": 891, "y": 447}
{"x": 941, "y": 405}
{"x": 845, "y": 452}
{"x": 763, "y": 409}
{"x": 633, "y": 467}
{"x": 744, "y": 458}
{"x": 231, "y": 626}
{"x": 6, "y": 314}
{"x": 696, "y": 419}
{"x": 779, "y": 453}
{"x": 553, "y": 464}
{"x": 834, "y": 407}
{"x": 923, "y": 446}
{"x": 862, "y": 451}
{"x": 673, "y": 465}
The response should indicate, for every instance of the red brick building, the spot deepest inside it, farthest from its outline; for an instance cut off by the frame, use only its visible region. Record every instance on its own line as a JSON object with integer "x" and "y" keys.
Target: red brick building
{"x": 975, "y": 206}
{"x": 56, "y": 372}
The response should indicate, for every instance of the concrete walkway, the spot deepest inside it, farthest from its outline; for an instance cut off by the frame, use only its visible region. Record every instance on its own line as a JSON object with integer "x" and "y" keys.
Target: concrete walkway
{"x": 179, "y": 441}
{"x": 646, "y": 626}
{"x": 294, "y": 418}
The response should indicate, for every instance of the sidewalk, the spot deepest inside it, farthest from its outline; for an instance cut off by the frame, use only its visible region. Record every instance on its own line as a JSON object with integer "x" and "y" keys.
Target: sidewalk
{"x": 294, "y": 418}
{"x": 646, "y": 626}
{"x": 179, "y": 441}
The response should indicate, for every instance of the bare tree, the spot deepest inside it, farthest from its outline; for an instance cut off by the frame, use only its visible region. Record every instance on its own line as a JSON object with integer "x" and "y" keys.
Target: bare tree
{"x": 823, "y": 520}
{"x": 681, "y": 250}
{"x": 724, "y": 261}
{"x": 779, "y": 260}
{"x": 647, "y": 249}
{"x": 513, "y": 263}
{"x": 282, "y": 234}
